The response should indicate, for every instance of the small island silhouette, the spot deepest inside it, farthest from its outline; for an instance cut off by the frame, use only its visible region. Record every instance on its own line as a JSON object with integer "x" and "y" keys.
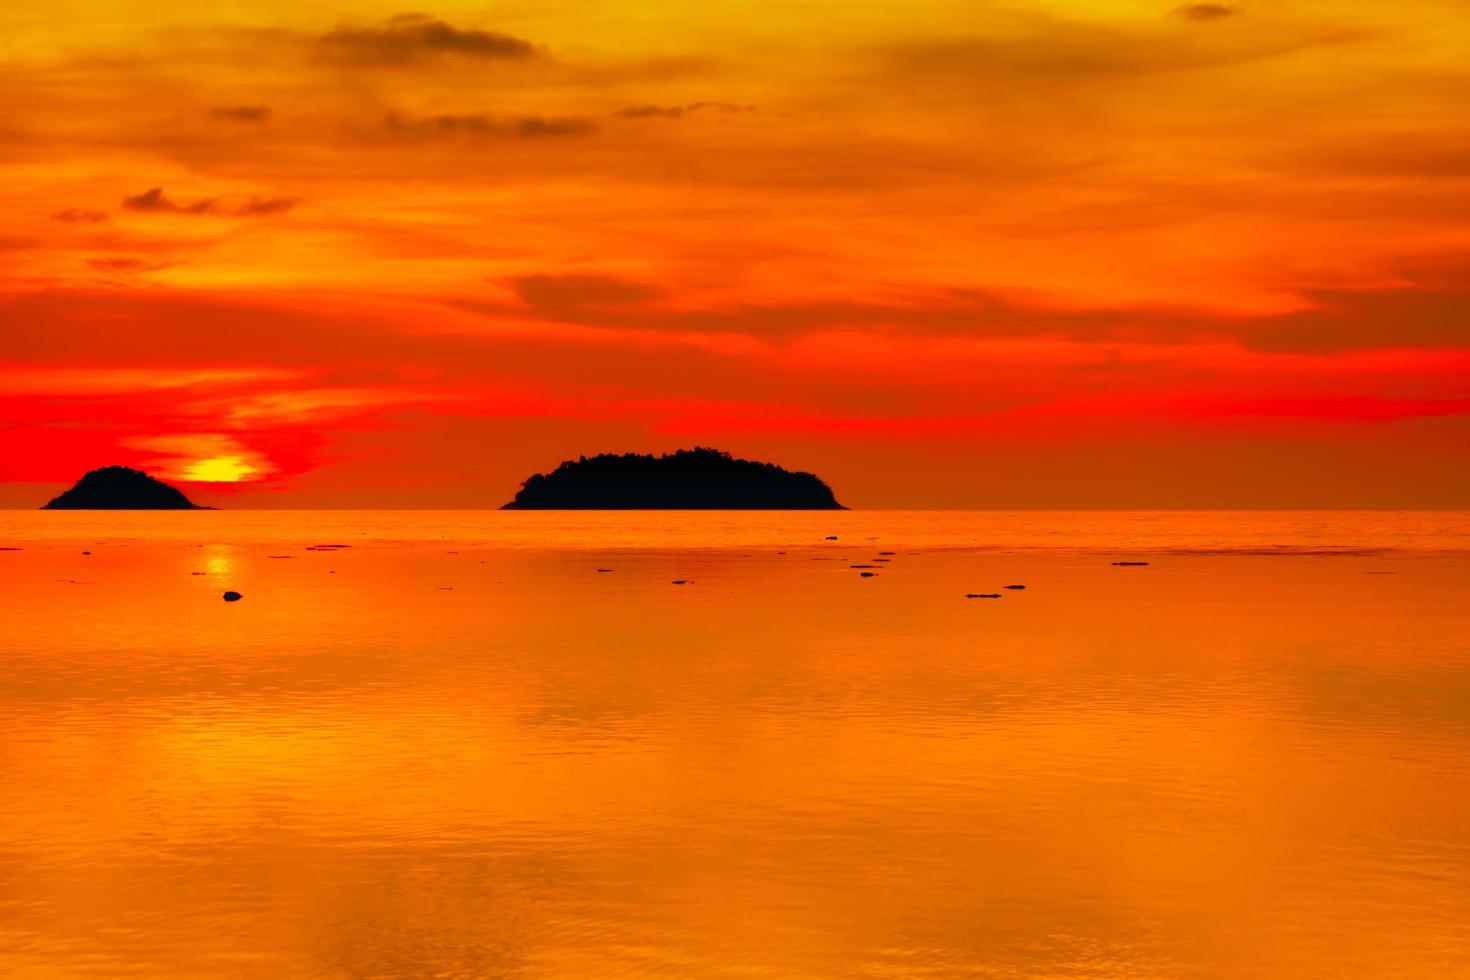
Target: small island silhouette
{"x": 121, "y": 488}
{"x": 689, "y": 479}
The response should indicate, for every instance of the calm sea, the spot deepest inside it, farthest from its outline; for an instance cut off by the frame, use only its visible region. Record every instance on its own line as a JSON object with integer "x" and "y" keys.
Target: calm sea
{"x": 486, "y": 744}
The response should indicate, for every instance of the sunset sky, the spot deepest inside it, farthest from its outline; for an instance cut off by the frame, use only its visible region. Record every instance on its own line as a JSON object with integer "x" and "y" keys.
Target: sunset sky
{"x": 942, "y": 253}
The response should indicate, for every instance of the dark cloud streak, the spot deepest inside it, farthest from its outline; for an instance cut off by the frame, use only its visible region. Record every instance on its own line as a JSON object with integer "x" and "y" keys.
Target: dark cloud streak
{"x": 126, "y": 265}
{"x": 1421, "y": 315}
{"x": 680, "y": 111}
{"x": 240, "y": 113}
{"x": 1431, "y": 312}
{"x": 578, "y": 291}
{"x": 1202, "y": 13}
{"x": 474, "y": 126}
{"x": 410, "y": 38}
{"x": 1052, "y": 52}
{"x": 80, "y": 216}
{"x": 154, "y": 201}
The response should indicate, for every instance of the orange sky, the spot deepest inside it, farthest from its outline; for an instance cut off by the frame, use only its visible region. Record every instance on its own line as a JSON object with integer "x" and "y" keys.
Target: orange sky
{"x": 943, "y": 253}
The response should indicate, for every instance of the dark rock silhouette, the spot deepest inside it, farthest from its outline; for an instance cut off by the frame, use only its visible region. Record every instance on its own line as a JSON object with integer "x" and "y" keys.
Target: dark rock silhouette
{"x": 868, "y": 574}
{"x": 121, "y": 488}
{"x": 982, "y": 595}
{"x": 1130, "y": 563}
{"x": 690, "y": 479}
{"x": 1013, "y": 586}
{"x": 233, "y": 596}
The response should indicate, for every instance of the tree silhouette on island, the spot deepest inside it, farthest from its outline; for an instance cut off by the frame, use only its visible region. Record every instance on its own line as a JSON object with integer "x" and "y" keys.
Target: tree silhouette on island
{"x": 121, "y": 488}
{"x": 689, "y": 479}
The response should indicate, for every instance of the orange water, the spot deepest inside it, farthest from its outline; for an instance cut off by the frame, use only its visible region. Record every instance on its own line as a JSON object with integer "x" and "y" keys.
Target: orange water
{"x": 455, "y": 749}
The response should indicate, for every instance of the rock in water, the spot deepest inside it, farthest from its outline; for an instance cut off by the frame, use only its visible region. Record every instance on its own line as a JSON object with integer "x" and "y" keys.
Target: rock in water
{"x": 233, "y": 596}
{"x": 121, "y": 488}
{"x": 690, "y": 479}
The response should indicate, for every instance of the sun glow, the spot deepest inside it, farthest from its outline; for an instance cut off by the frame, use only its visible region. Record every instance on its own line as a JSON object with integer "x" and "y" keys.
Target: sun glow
{"x": 219, "y": 469}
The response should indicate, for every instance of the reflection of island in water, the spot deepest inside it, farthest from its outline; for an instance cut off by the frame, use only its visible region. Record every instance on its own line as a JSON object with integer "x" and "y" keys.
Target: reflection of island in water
{"x": 690, "y": 479}
{"x": 121, "y": 488}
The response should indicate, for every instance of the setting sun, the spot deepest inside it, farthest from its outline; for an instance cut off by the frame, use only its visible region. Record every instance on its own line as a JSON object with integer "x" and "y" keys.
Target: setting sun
{"x": 220, "y": 469}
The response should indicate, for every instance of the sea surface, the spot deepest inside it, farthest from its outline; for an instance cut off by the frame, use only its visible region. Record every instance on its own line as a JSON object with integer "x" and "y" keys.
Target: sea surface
{"x": 457, "y": 748}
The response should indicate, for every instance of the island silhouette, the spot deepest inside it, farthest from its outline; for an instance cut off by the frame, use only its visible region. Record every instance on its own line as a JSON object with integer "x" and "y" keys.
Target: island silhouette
{"x": 121, "y": 488}
{"x": 689, "y": 479}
